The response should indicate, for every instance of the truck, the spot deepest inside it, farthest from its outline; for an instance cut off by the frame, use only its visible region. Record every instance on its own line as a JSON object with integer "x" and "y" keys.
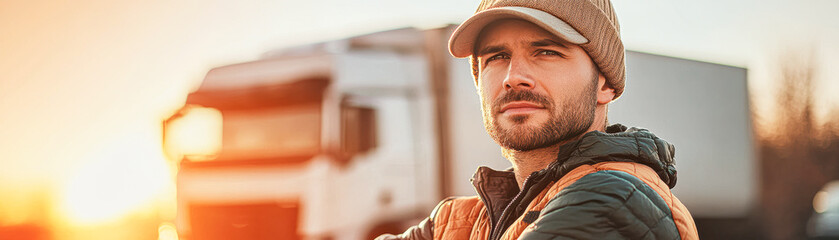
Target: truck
{"x": 352, "y": 138}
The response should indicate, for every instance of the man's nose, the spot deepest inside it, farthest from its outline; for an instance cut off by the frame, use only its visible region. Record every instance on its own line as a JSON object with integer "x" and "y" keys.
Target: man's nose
{"x": 518, "y": 76}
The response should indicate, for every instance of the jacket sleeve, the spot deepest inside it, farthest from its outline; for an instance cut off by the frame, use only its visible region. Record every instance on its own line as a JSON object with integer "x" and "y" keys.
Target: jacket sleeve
{"x": 605, "y": 205}
{"x": 422, "y": 231}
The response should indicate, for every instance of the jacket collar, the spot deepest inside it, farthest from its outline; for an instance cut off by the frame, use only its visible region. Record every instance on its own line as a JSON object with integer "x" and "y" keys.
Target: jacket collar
{"x": 496, "y": 188}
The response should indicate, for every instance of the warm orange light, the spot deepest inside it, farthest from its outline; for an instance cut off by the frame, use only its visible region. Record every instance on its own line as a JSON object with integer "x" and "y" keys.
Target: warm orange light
{"x": 196, "y": 134}
{"x": 167, "y": 231}
{"x": 123, "y": 178}
{"x": 820, "y": 202}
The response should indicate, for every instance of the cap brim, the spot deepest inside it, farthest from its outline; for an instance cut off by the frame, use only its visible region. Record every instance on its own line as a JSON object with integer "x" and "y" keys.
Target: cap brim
{"x": 465, "y": 36}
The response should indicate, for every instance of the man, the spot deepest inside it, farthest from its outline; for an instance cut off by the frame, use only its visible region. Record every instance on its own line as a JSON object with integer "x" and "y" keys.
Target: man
{"x": 546, "y": 71}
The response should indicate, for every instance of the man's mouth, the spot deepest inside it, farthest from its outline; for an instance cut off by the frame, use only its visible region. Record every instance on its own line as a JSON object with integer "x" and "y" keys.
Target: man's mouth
{"x": 520, "y": 107}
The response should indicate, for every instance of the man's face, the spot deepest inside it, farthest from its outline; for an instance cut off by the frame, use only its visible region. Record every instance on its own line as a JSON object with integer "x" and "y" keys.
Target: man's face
{"x": 536, "y": 90}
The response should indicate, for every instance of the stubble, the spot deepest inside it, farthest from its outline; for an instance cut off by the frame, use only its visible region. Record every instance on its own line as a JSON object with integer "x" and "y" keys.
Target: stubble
{"x": 570, "y": 119}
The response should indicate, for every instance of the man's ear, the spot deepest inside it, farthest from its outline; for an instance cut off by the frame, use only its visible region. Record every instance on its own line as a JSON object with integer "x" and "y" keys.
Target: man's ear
{"x": 605, "y": 92}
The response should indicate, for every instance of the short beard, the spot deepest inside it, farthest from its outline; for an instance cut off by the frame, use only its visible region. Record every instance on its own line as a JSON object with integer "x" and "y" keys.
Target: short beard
{"x": 572, "y": 119}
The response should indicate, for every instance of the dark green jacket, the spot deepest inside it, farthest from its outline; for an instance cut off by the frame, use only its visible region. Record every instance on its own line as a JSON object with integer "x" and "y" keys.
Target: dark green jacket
{"x": 612, "y": 185}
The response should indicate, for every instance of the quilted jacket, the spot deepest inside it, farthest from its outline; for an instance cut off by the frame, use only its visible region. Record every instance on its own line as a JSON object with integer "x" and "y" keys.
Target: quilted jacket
{"x": 613, "y": 185}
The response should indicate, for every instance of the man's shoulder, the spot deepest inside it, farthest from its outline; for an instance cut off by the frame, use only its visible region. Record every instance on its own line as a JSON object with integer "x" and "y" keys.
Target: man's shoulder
{"x": 457, "y": 206}
{"x": 604, "y": 200}
{"x": 618, "y": 175}
{"x": 614, "y": 184}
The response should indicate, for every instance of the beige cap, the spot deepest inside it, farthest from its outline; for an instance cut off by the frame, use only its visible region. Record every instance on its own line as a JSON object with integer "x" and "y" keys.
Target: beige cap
{"x": 591, "y": 24}
{"x": 463, "y": 40}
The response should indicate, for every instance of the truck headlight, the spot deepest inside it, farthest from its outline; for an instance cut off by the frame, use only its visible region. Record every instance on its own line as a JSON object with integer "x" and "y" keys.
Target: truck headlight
{"x": 194, "y": 133}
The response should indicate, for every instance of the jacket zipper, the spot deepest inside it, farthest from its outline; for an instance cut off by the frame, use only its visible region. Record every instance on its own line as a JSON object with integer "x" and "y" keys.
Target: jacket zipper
{"x": 487, "y": 204}
{"x": 495, "y": 231}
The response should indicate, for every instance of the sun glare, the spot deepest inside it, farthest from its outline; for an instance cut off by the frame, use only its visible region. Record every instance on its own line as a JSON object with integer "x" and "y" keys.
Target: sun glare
{"x": 196, "y": 134}
{"x": 121, "y": 179}
{"x": 167, "y": 231}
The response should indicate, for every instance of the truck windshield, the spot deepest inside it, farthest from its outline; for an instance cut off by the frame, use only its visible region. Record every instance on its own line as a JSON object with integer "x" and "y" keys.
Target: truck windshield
{"x": 269, "y": 133}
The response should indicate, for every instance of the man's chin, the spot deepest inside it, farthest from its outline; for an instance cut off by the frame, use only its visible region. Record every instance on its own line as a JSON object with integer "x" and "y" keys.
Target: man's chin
{"x": 522, "y": 136}
{"x": 523, "y": 140}
{"x": 519, "y": 126}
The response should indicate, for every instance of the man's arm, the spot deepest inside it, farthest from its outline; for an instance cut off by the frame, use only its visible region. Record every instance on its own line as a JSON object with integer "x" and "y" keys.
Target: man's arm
{"x": 605, "y": 205}
{"x": 422, "y": 231}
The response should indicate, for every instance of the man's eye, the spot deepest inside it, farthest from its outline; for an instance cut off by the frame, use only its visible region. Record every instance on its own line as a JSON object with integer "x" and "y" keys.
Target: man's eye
{"x": 496, "y": 57}
{"x": 549, "y": 52}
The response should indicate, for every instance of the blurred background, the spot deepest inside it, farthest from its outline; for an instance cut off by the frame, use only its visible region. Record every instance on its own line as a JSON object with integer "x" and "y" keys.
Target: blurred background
{"x": 343, "y": 120}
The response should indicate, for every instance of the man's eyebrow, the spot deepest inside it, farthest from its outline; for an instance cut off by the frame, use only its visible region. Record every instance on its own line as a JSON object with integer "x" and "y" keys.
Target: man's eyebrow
{"x": 490, "y": 49}
{"x": 548, "y": 42}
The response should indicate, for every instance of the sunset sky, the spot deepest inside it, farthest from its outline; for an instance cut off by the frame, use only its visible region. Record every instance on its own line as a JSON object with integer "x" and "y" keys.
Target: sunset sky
{"x": 84, "y": 85}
